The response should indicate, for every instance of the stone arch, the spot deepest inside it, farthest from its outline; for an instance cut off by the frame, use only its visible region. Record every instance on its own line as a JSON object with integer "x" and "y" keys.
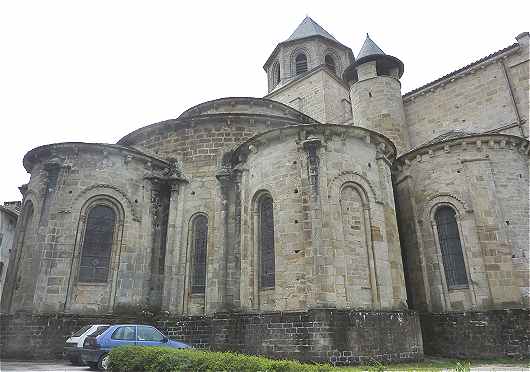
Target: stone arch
{"x": 460, "y": 207}
{"x": 88, "y": 205}
{"x": 292, "y": 59}
{"x": 196, "y": 282}
{"x": 192, "y": 246}
{"x": 111, "y": 190}
{"x": 355, "y": 178}
{"x": 336, "y": 59}
{"x": 275, "y": 74}
{"x": 257, "y": 246}
{"x": 440, "y": 199}
{"x": 359, "y": 284}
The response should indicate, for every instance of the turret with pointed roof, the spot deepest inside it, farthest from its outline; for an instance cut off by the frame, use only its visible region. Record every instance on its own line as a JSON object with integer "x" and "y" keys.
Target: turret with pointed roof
{"x": 375, "y": 92}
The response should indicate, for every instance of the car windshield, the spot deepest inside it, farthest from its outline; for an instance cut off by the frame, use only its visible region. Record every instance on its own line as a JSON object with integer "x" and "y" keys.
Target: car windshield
{"x": 81, "y": 331}
{"x": 99, "y": 331}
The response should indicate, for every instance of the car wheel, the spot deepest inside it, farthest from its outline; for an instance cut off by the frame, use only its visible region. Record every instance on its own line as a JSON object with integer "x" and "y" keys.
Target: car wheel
{"x": 92, "y": 365}
{"x": 104, "y": 362}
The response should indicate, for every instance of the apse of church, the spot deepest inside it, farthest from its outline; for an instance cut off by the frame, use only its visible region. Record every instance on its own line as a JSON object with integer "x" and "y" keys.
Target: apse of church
{"x": 335, "y": 191}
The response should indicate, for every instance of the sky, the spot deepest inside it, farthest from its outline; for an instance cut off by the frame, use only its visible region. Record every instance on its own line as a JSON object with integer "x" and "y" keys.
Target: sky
{"x": 93, "y": 71}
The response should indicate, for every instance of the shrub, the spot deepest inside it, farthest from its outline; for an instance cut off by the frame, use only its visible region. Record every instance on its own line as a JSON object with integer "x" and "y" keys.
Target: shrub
{"x": 161, "y": 359}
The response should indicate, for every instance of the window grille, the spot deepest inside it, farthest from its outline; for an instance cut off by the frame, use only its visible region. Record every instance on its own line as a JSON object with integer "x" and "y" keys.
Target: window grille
{"x": 266, "y": 242}
{"x": 330, "y": 63}
{"x": 301, "y": 64}
{"x": 200, "y": 242}
{"x": 451, "y": 248}
{"x": 97, "y": 245}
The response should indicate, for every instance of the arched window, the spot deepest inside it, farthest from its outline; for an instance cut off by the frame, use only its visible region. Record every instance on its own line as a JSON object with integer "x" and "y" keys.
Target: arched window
{"x": 277, "y": 77}
{"x": 301, "y": 64}
{"x": 330, "y": 63}
{"x": 199, "y": 245}
{"x": 97, "y": 244}
{"x": 451, "y": 247}
{"x": 266, "y": 242}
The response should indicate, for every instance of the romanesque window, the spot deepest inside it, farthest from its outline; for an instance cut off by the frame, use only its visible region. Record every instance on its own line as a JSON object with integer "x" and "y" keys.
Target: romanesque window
{"x": 266, "y": 242}
{"x": 301, "y": 64}
{"x": 199, "y": 246}
{"x": 330, "y": 63}
{"x": 451, "y": 248}
{"x": 97, "y": 244}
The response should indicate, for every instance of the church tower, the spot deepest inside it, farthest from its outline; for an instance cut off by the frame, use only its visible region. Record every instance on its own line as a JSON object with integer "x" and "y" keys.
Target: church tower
{"x": 305, "y": 72}
{"x": 375, "y": 92}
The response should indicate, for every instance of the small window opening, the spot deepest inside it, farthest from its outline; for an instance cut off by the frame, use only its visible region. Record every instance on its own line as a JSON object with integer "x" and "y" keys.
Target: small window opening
{"x": 330, "y": 63}
{"x": 301, "y": 64}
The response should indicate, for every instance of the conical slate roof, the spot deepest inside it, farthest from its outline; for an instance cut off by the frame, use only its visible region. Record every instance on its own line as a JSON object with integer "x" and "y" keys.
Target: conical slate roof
{"x": 369, "y": 48}
{"x": 308, "y": 28}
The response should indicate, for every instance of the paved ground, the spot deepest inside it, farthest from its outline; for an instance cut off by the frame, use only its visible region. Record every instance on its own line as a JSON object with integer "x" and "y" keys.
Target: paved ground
{"x": 47, "y": 366}
{"x": 60, "y": 366}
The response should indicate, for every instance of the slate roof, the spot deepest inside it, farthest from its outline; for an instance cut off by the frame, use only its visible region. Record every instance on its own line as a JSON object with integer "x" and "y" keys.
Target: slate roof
{"x": 452, "y": 134}
{"x": 369, "y": 48}
{"x": 308, "y": 28}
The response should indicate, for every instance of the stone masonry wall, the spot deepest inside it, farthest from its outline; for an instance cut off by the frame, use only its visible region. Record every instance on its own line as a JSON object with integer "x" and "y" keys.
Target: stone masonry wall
{"x": 489, "y": 334}
{"x": 327, "y": 335}
{"x": 318, "y": 95}
{"x": 484, "y": 179}
{"x": 477, "y": 99}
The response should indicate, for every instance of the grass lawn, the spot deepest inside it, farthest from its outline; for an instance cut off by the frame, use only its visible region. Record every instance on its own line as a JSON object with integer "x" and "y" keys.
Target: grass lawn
{"x": 440, "y": 364}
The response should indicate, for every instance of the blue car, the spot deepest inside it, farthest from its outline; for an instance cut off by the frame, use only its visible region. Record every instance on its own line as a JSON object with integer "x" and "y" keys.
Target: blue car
{"x": 98, "y": 345}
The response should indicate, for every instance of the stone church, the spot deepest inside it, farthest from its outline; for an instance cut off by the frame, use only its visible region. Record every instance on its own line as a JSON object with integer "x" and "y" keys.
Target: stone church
{"x": 336, "y": 217}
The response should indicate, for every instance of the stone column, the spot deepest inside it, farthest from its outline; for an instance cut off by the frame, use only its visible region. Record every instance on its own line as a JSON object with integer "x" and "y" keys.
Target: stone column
{"x": 175, "y": 254}
{"x": 318, "y": 288}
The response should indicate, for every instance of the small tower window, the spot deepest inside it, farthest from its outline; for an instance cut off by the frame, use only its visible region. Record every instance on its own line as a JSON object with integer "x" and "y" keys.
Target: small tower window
{"x": 330, "y": 63}
{"x": 301, "y": 64}
{"x": 451, "y": 248}
{"x": 276, "y": 74}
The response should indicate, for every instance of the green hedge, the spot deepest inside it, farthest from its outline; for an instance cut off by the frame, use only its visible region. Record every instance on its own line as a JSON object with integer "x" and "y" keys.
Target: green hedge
{"x": 161, "y": 359}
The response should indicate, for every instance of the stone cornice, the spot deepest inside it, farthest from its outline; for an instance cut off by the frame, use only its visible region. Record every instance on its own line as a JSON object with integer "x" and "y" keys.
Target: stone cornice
{"x": 470, "y": 143}
{"x": 54, "y": 153}
{"x": 326, "y": 132}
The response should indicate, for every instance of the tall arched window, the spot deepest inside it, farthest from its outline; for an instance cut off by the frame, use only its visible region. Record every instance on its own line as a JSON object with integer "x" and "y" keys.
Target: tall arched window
{"x": 97, "y": 244}
{"x": 330, "y": 63}
{"x": 451, "y": 247}
{"x": 301, "y": 64}
{"x": 199, "y": 247}
{"x": 266, "y": 242}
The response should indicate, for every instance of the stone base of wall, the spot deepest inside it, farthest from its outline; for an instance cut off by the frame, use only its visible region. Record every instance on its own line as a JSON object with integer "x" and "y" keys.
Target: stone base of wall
{"x": 324, "y": 335}
{"x": 486, "y": 334}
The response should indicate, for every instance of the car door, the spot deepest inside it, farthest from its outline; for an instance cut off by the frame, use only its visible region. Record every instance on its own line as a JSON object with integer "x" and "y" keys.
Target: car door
{"x": 122, "y": 336}
{"x": 150, "y": 336}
